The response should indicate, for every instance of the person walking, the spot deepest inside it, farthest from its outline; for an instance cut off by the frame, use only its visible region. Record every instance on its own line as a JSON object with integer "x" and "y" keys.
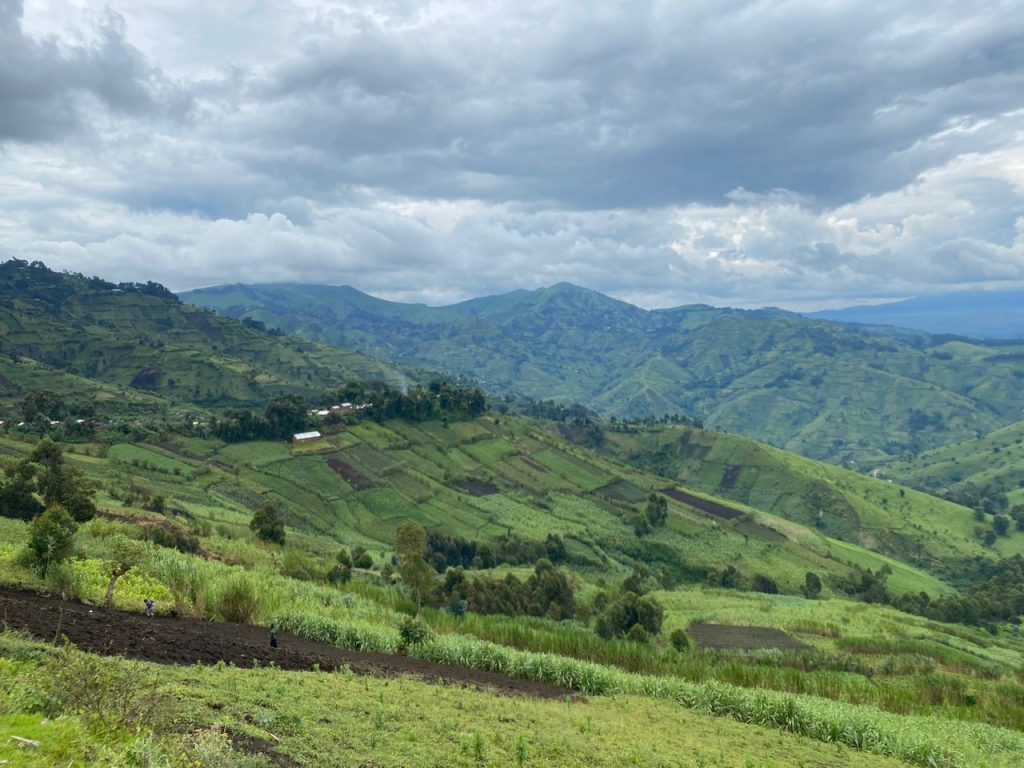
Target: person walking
{"x": 273, "y": 636}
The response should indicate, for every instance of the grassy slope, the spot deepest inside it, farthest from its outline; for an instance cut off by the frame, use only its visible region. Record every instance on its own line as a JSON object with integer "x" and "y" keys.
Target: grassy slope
{"x": 546, "y": 485}
{"x": 818, "y": 388}
{"x": 994, "y": 457}
{"x": 914, "y": 527}
{"x": 338, "y": 719}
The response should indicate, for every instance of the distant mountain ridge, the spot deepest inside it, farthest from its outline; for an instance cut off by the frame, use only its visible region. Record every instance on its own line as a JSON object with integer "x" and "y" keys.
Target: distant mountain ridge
{"x": 977, "y": 314}
{"x": 815, "y": 387}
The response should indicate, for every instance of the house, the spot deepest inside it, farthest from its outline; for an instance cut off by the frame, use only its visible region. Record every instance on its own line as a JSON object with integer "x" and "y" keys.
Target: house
{"x": 306, "y": 437}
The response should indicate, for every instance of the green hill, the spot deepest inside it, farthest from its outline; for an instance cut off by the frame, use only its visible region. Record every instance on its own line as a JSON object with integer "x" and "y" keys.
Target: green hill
{"x": 992, "y": 461}
{"x": 135, "y": 341}
{"x": 874, "y": 513}
{"x": 818, "y": 388}
{"x": 485, "y": 480}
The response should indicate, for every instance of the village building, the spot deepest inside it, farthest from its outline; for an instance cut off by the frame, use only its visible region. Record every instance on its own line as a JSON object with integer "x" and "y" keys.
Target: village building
{"x": 306, "y": 437}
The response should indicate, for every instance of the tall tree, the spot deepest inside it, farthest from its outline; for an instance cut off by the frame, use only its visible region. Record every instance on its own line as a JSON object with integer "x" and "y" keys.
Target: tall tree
{"x": 411, "y": 547}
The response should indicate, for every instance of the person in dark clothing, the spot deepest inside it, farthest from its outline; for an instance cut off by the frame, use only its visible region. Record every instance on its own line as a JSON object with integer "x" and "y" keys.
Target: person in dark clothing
{"x": 273, "y": 636}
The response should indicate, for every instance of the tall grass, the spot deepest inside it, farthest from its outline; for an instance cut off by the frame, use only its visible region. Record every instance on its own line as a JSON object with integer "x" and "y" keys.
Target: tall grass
{"x": 921, "y": 740}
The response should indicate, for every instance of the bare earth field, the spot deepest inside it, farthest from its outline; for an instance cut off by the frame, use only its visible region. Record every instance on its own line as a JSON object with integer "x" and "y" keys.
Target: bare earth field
{"x": 171, "y": 640}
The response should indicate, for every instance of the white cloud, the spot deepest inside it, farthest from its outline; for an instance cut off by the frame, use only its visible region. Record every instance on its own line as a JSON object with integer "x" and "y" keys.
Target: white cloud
{"x": 737, "y": 152}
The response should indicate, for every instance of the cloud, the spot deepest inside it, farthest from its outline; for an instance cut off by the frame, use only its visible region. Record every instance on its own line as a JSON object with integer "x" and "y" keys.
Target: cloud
{"x": 735, "y": 152}
{"x": 47, "y": 84}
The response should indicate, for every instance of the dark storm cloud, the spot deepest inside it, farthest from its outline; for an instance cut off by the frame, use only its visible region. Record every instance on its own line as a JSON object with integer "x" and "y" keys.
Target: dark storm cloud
{"x": 45, "y": 85}
{"x": 647, "y": 104}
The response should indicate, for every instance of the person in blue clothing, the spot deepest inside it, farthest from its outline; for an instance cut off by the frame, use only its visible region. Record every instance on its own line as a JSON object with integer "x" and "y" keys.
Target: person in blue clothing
{"x": 150, "y": 607}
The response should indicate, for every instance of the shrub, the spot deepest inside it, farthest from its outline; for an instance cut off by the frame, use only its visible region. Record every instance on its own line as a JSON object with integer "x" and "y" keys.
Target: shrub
{"x": 267, "y": 524}
{"x": 637, "y": 634}
{"x": 50, "y": 538}
{"x": 413, "y": 631}
{"x": 679, "y": 639}
{"x": 340, "y": 574}
{"x": 361, "y": 558}
{"x": 124, "y": 695}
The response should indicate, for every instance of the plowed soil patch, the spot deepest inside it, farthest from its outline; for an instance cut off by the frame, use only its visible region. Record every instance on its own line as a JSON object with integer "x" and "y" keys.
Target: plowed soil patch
{"x": 704, "y": 505}
{"x": 741, "y": 637}
{"x": 349, "y": 474}
{"x": 171, "y": 640}
{"x": 477, "y": 487}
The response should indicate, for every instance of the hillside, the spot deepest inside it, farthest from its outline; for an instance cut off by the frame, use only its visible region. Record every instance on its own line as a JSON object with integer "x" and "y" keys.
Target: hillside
{"x": 979, "y": 314}
{"x": 994, "y": 460}
{"x": 139, "y": 343}
{"x": 874, "y": 513}
{"x": 851, "y": 672}
{"x": 481, "y": 480}
{"x": 821, "y": 389}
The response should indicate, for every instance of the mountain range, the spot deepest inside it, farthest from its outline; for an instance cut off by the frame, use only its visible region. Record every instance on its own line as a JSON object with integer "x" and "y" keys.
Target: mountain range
{"x": 819, "y": 388}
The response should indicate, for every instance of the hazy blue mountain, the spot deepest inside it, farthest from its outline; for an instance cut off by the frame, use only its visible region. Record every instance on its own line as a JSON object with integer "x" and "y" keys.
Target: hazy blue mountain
{"x": 978, "y": 314}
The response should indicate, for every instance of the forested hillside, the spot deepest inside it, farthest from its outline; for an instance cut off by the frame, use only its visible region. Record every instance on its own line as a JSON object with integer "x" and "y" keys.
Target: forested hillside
{"x": 116, "y": 345}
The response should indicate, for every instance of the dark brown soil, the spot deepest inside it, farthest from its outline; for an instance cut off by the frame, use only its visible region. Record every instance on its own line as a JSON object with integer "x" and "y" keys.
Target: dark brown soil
{"x": 704, "y": 505}
{"x": 742, "y": 638}
{"x": 349, "y": 474}
{"x": 171, "y": 640}
{"x": 477, "y": 487}
{"x": 535, "y": 466}
{"x": 730, "y": 476}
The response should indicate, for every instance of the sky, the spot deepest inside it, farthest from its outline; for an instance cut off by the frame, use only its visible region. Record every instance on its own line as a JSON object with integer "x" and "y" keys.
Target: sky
{"x": 796, "y": 153}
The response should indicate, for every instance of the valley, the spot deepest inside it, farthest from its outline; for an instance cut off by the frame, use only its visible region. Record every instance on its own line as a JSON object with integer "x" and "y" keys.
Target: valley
{"x": 642, "y": 570}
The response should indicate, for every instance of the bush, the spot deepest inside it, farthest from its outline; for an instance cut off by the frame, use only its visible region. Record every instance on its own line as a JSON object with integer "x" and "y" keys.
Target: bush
{"x": 679, "y": 639}
{"x": 361, "y": 558}
{"x": 340, "y": 574}
{"x": 237, "y": 600}
{"x": 267, "y": 524}
{"x": 637, "y": 634}
{"x": 413, "y": 631}
{"x": 126, "y": 694}
{"x": 50, "y": 538}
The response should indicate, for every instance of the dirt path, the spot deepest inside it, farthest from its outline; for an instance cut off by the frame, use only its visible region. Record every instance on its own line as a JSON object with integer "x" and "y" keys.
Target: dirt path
{"x": 169, "y": 640}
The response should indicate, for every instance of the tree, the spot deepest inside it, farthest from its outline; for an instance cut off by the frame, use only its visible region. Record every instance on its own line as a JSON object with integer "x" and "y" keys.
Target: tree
{"x": 812, "y": 585}
{"x": 656, "y": 511}
{"x": 1001, "y": 525}
{"x": 17, "y": 500}
{"x": 50, "y": 538}
{"x": 411, "y": 547}
{"x": 630, "y": 610}
{"x": 42, "y": 402}
{"x": 267, "y": 524}
{"x": 60, "y": 484}
{"x": 125, "y": 554}
{"x": 550, "y": 591}
{"x": 285, "y": 416}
